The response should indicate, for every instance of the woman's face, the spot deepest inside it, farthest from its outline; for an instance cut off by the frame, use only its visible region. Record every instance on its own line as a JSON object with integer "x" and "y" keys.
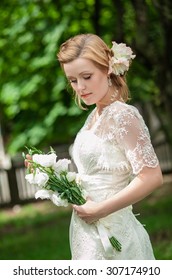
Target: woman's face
{"x": 88, "y": 81}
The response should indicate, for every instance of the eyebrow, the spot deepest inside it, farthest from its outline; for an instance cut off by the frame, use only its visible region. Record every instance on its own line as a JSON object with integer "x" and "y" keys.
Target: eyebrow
{"x": 82, "y": 73}
{"x": 70, "y": 77}
{"x": 85, "y": 72}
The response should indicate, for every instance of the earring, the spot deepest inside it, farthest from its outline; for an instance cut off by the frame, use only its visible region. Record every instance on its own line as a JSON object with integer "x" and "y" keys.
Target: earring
{"x": 114, "y": 95}
{"x": 109, "y": 81}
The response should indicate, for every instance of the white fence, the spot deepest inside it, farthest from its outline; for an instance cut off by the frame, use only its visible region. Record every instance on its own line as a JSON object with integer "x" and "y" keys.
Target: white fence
{"x": 15, "y": 190}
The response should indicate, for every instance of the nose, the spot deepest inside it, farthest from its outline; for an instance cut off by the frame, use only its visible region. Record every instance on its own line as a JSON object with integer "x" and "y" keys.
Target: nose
{"x": 81, "y": 85}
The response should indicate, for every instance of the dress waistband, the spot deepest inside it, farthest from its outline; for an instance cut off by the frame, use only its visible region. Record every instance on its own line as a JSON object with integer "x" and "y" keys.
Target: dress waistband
{"x": 103, "y": 180}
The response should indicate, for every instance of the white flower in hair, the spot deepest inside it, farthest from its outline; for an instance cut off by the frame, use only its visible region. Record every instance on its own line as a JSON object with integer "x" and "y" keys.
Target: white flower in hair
{"x": 120, "y": 61}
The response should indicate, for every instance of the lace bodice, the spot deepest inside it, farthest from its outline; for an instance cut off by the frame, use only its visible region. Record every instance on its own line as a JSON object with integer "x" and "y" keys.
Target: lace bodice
{"x": 119, "y": 140}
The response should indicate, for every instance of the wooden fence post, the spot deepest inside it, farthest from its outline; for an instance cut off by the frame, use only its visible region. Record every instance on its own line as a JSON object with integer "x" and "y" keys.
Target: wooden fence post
{"x": 14, "y": 193}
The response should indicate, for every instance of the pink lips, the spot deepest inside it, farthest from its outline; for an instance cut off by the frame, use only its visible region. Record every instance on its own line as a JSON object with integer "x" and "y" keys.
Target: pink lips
{"x": 85, "y": 95}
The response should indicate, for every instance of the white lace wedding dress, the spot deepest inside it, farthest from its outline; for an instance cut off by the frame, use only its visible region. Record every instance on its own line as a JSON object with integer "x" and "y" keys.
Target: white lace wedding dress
{"x": 107, "y": 155}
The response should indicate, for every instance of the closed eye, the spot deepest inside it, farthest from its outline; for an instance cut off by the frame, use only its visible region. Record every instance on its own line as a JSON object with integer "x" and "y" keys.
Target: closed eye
{"x": 87, "y": 77}
{"x": 73, "y": 81}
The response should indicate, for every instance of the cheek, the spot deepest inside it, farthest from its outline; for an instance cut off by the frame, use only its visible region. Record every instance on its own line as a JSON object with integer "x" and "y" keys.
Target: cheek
{"x": 102, "y": 83}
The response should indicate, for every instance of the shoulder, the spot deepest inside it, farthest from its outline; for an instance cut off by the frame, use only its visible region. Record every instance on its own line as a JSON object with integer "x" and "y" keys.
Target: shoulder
{"x": 122, "y": 106}
{"x": 120, "y": 111}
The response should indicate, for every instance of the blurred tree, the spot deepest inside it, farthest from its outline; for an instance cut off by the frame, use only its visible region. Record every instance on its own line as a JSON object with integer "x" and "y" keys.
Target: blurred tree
{"x": 153, "y": 44}
{"x": 36, "y": 108}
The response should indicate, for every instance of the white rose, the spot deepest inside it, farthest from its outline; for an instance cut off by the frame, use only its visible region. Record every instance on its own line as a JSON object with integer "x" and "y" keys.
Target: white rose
{"x": 56, "y": 199}
{"x": 45, "y": 160}
{"x": 71, "y": 176}
{"x": 39, "y": 179}
{"x": 43, "y": 194}
{"x": 61, "y": 165}
{"x": 53, "y": 196}
{"x": 30, "y": 179}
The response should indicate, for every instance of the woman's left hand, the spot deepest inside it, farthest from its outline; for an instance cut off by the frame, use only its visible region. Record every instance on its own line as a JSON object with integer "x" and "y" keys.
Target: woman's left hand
{"x": 89, "y": 212}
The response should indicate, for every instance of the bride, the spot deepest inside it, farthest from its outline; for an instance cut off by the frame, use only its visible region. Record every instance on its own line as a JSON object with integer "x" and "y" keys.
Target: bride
{"x": 113, "y": 153}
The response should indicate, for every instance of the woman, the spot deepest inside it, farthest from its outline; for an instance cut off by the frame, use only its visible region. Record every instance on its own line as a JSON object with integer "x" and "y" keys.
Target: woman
{"x": 112, "y": 146}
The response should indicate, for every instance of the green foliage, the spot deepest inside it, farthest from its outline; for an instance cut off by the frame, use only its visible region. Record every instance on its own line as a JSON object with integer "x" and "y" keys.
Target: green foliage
{"x": 33, "y": 93}
{"x": 35, "y": 105}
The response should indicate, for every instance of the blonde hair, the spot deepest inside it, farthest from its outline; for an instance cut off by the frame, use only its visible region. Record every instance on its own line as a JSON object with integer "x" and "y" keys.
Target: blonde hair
{"x": 92, "y": 47}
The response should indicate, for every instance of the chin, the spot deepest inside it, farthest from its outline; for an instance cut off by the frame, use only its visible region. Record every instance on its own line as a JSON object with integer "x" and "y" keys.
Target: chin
{"x": 89, "y": 103}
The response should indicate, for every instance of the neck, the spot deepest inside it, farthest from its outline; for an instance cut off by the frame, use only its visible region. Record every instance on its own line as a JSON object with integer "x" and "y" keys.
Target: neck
{"x": 111, "y": 96}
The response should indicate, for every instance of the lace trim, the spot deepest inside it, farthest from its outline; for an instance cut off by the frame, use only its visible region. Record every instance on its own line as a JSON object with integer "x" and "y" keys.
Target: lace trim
{"x": 149, "y": 158}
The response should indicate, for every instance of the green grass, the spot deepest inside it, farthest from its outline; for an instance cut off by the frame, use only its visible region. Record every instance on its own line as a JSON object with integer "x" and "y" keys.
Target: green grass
{"x": 156, "y": 212}
{"x": 40, "y": 231}
{"x": 36, "y": 232}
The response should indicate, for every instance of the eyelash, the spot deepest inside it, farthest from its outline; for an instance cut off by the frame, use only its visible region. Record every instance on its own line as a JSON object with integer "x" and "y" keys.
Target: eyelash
{"x": 85, "y": 78}
{"x": 88, "y": 77}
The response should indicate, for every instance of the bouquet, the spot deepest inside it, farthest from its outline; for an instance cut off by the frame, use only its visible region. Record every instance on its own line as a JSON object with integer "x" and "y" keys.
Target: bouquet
{"x": 56, "y": 182}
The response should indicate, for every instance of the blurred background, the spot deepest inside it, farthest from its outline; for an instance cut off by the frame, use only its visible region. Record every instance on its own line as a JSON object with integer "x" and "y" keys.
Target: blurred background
{"x": 37, "y": 109}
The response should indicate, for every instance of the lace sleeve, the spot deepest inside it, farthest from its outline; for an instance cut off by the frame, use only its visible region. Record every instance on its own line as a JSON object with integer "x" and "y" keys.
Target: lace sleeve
{"x": 133, "y": 135}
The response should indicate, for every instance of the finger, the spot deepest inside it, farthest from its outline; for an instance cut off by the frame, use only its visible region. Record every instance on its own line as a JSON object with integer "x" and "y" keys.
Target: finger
{"x": 26, "y": 163}
{"x": 28, "y": 157}
{"x": 74, "y": 206}
{"x": 88, "y": 198}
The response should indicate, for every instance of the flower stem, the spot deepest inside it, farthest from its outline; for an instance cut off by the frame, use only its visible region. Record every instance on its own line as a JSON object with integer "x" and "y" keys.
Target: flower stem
{"x": 115, "y": 243}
